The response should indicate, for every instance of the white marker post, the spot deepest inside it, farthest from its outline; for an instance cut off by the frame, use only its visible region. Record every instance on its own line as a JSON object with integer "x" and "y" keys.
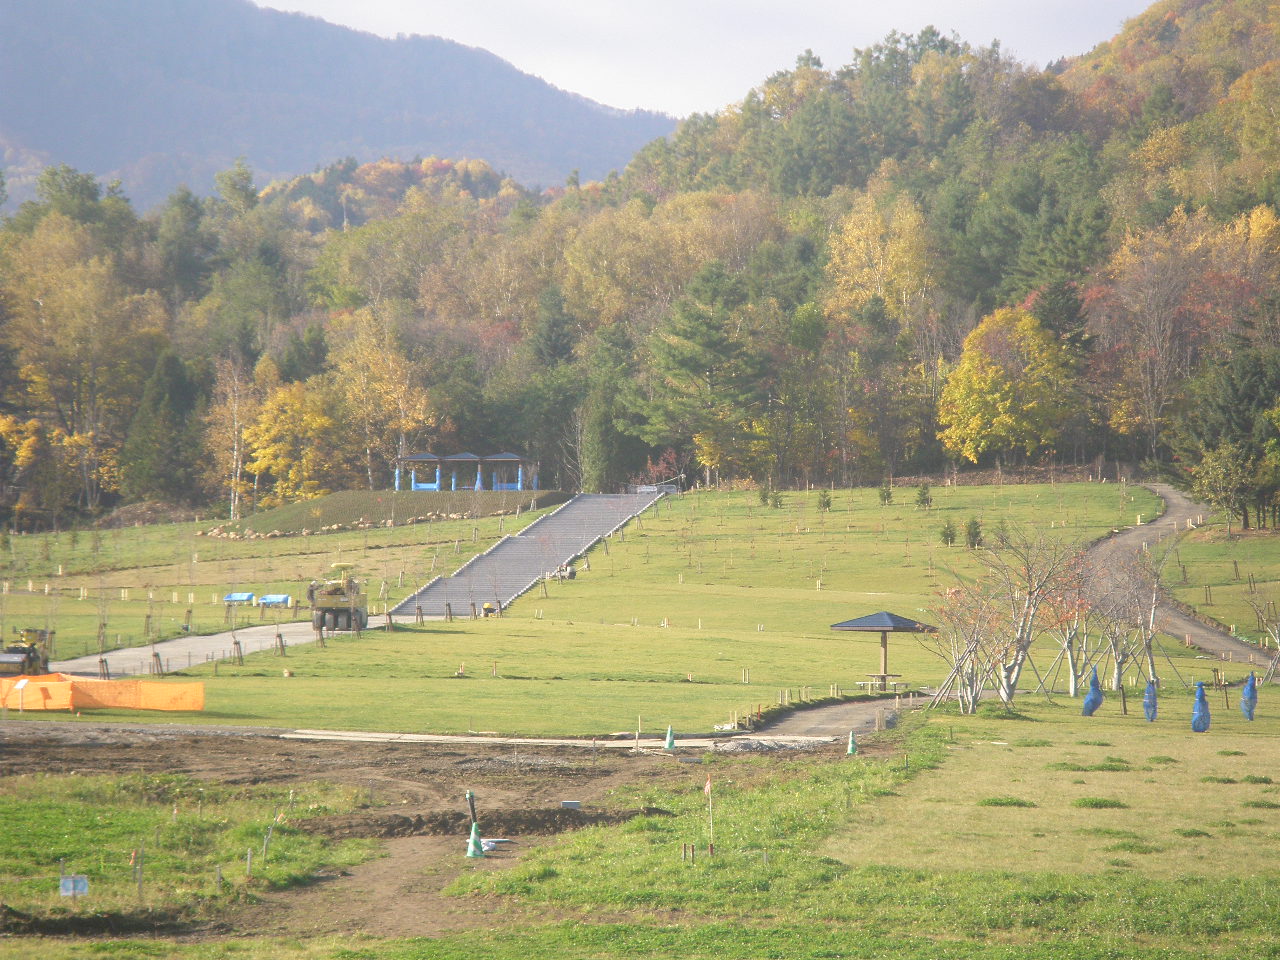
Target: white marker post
{"x": 711, "y": 819}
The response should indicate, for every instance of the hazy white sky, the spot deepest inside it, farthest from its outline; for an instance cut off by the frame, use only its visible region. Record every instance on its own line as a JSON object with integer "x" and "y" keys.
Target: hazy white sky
{"x": 682, "y": 56}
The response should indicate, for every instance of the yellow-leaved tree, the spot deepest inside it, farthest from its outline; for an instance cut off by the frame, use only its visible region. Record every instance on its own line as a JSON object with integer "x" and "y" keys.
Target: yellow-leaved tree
{"x": 84, "y": 344}
{"x": 381, "y": 396}
{"x": 298, "y": 446}
{"x": 1014, "y": 388}
{"x": 880, "y": 251}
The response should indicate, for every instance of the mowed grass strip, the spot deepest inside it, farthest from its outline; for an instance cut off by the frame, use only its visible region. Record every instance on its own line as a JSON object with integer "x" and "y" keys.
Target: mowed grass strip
{"x": 678, "y": 941}
{"x": 1080, "y": 811}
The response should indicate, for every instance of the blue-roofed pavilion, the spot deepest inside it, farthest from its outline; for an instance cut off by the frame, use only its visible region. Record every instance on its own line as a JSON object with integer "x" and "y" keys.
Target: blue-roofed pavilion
{"x": 499, "y": 471}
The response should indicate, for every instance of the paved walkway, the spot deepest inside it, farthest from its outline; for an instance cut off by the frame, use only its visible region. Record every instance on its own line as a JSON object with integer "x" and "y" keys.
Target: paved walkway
{"x": 183, "y": 652}
{"x": 517, "y": 563}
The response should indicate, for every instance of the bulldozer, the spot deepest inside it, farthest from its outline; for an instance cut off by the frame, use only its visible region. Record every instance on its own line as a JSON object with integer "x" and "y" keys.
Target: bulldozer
{"x": 338, "y": 602}
{"x": 29, "y": 655}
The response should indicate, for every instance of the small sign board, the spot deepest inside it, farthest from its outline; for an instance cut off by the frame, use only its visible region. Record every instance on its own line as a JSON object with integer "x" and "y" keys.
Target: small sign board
{"x": 73, "y": 885}
{"x": 21, "y": 683}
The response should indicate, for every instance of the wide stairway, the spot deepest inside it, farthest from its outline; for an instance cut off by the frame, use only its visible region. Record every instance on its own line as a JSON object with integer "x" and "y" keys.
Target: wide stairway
{"x": 516, "y": 563}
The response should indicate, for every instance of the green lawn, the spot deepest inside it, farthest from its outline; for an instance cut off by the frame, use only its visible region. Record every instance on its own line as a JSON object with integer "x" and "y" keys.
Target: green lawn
{"x": 1039, "y": 834}
{"x": 181, "y": 830}
{"x": 978, "y": 837}
{"x": 664, "y": 622}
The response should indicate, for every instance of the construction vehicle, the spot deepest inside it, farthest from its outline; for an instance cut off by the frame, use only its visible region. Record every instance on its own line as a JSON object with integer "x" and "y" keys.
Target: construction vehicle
{"x": 30, "y": 655}
{"x": 338, "y": 603}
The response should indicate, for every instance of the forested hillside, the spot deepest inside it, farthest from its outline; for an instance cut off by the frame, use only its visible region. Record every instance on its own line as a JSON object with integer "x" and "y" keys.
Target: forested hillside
{"x": 931, "y": 255}
{"x": 160, "y": 93}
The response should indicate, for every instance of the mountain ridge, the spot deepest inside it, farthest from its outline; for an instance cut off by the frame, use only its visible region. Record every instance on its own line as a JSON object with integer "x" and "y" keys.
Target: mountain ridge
{"x": 162, "y": 93}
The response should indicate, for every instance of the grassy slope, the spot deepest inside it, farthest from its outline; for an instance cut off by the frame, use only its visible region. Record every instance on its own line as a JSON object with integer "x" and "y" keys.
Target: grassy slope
{"x": 178, "y": 575}
{"x": 1211, "y": 560}
{"x": 897, "y": 858}
{"x": 735, "y": 583}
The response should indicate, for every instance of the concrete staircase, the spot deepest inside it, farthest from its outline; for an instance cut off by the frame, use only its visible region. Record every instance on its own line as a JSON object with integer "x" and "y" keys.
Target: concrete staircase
{"x": 516, "y": 563}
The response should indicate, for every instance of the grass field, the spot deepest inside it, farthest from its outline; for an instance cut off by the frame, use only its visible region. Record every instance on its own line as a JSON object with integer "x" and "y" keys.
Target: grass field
{"x": 1176, "y": 861}
{"x": 662, "y": 626}
{"x": 1031, "y": 835}
{"x": 160, "y": 841}
{"x": 1036, "y": 834}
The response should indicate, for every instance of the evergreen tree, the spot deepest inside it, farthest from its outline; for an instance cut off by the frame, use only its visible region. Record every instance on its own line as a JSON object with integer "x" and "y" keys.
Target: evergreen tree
{"x": 159, "y": 457}
{"x": 703, "y": 381}
{"x": 608, "y": 455}
{"x": 553, "y": 339}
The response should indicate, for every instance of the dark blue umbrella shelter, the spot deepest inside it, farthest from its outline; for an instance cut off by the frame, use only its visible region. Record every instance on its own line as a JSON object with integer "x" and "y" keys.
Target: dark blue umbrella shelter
{"x": 1249, "y": 697}
{"x": 1149, "y": 701}
{"x": 1200, "y": 711}
{"x": 1093, "y": 698}
{"x": 884, "y": 623}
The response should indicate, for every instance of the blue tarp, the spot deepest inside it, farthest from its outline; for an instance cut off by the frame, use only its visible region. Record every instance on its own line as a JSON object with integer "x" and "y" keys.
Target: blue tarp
{"x": 1092, "y": 699}
{"x": 1249, "y": 697}
{"x": 1149, "y": 701}
{"x": 1200, "y": 712}
{"x": 275, "y": 600}
{"x": 238, "y": 598}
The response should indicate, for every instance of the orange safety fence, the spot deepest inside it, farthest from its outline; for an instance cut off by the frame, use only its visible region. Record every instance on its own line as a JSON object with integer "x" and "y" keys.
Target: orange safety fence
{"x": 58, "y": 691}
{"x": 48, "y": 692}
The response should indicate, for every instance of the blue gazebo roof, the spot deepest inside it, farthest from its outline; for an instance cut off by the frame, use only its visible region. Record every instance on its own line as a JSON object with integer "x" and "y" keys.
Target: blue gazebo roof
{"x": 884, "y": 622}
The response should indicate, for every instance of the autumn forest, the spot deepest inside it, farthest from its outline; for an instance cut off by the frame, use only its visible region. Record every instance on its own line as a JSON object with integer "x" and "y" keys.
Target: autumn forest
{"x": 928, "y": 258}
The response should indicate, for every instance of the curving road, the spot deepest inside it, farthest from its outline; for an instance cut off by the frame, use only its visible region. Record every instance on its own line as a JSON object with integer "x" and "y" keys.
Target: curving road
{"x": 1179, "y": 510}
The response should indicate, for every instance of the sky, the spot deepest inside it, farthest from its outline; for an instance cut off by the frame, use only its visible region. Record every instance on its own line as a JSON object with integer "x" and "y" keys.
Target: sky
{"x": 687, "y": 56}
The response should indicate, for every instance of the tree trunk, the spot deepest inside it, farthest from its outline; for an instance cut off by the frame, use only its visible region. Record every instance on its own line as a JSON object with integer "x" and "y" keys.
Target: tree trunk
{"x": 1073, "y": 672}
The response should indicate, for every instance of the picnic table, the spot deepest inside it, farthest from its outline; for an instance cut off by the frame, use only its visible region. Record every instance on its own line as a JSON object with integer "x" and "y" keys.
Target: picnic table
{"x": 883, "y": 681}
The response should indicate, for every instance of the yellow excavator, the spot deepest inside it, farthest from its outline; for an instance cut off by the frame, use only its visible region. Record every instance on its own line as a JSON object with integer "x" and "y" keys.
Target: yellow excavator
{"x": 29, "y": 655}
{"x": 338, "y": 602}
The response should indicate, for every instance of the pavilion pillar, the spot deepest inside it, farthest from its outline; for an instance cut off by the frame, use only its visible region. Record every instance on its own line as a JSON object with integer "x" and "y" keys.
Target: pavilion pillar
{"x": 520, "y": 476}
{"x": 453, "y": 483}
{"x": 437, "y": 476}
{"x": 884, "y": 658}
{"x": 398, "y": 477}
